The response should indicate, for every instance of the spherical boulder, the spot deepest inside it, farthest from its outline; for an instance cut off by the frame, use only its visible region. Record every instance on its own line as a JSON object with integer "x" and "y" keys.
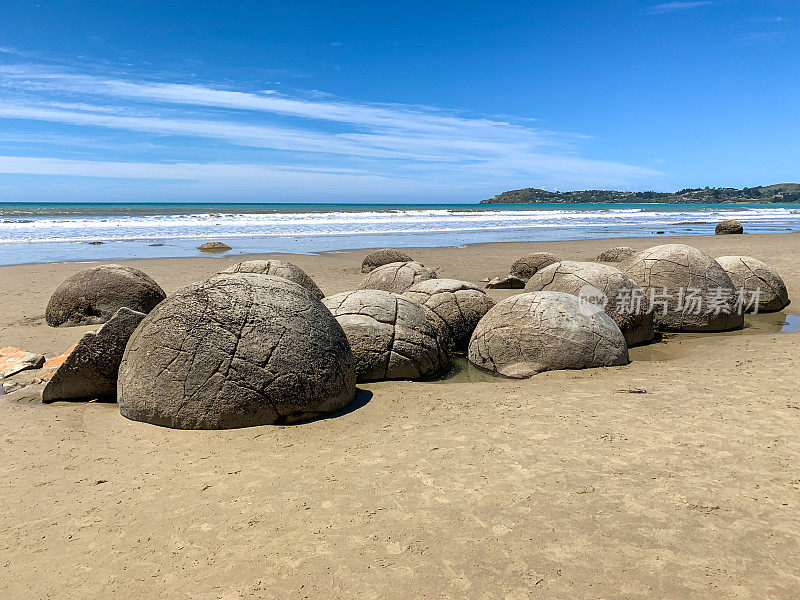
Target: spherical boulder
{"x": 543, "y": 331}
{"x": 392, "y": 337}
{"x": 527, "y": 266}
{"x": 279, "y": 268}
{"x": 616, "y": 255}
{"x": 686, "y": 289}
{"x": 729, "y": 227}
{"x": 757, "y": 285}
{"x": 237, "y": 350}
{"x": 381, "y": 257}
{"x": 396, "y": 277}
{"x": 91, "y": 296}
{"x": 605, "y": 286}
{"x": 456, "y": 305}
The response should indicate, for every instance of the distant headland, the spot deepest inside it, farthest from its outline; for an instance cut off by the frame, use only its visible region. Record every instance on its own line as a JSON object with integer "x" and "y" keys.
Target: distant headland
{"x": 781, "y": 192}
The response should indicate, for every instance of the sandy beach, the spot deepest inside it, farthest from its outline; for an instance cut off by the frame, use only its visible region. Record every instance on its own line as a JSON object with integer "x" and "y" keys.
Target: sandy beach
{"x": 669, "y": 478}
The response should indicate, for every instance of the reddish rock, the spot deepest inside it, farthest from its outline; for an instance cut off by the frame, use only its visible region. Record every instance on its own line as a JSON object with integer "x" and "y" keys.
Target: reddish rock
{"x": 13, "y": 360}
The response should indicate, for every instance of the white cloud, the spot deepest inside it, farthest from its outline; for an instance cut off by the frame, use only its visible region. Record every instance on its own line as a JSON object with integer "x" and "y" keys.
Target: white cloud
{"x": 381, "y": 141}
{"x": 667, "y": 7}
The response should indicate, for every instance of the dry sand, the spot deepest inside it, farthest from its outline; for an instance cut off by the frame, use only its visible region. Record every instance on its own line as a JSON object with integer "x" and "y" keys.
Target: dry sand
{"x": 566, "y": 485}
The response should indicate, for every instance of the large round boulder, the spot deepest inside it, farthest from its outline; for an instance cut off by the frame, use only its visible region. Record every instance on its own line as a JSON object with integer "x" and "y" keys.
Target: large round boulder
{"x": 729, "y": 227}
{"x": 604, "y": 286}
{"x": 392, "y": 337}
{"x": 527, "y": 266}
{"x": 381, "y": 257}
{"x": 91, "y": 296}
{"x": 279, "y": 268}
{"x": 617, "y": 254}
{"x": 237, "y": 350}
{"x": 758, "y": 287}
{"x": 396, "y": 277}
{"x": 456, "y": 306}
{"x": 686, "y": 289}
{"x": 543, "y": 331}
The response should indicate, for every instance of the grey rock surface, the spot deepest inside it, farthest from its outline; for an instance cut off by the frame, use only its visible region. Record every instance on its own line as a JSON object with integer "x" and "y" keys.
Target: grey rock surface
{"x": 527, "y": 266}
{"x": 279, "y": 268}
{"x": 91, "y": 296}
{"x": 90, "y": 370}
{"x": 237, "y": 350}
{"x": 381, "y": 257}
{"x": 689, "y": 290}
{"x": 396, "y": 277}
{"x": 762, "y": 288}
{"x": 617, "y": 254}
{"x": 392, "y": 337}
{"x": 605, "y": 286}
{"x": 457, "y": 306}
{"x": 543, "y": 331}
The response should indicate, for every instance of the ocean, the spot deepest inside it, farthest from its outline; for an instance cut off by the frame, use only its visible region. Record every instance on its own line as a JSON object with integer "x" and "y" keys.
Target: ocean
{"x": 52, "y": 232}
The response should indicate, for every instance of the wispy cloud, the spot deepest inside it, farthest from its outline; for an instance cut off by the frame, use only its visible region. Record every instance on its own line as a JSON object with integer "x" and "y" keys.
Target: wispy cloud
{"x": 344, "y": 140}
{"x": 668, "y": 7}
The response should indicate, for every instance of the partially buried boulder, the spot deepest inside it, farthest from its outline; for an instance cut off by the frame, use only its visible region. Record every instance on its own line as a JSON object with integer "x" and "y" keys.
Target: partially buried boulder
{"x": 605, "y": 286}
{"x": 509, "y": 282}
{"x": 90, "y": 370}
{"x": 729, "y": 227}
{"x": 396, "y": 277}
{"x": 527, "y": 266}
{"x": 237, "y": 350}
{"x": 687, "y": 289}
{"x": 279, "y": 268}
{"x": 214, "y": 247}
{"x": 91, "y": 296}
{"x": 542, "y": 331}
{"x": 616, "y": 255}
{"x": 381, "y": 257}
{"x": 392, "y": 337}
{"x": 456, "y": 305}
{"x": 757, "y": 285}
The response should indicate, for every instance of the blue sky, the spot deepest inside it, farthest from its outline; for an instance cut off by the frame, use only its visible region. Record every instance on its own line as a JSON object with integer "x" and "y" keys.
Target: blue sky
{"x": 414, "y": 101}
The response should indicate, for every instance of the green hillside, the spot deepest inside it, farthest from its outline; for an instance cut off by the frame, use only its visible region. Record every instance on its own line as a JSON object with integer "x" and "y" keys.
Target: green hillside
{"x": 780, "y": 192}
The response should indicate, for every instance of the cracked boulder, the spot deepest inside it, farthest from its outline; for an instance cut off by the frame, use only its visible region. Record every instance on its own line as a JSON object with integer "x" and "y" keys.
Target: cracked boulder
{"x": 457, "y": 306}
{"x": 392, "y": 337}
{"x": 687, "y": 289}
{"x": 617, "y": 254}
{"x": 90, "y": 369}
{"x": 237, "y": 350}
{"x": 91, "y": 296}
{"x": 527, "y": 266}
{"x": 729, "y": 227}
{"x": 604, "y": 286}
{"x": 544, "y": 331}
{"x": 381, "y": 257}
{"x": 761, "y": 288}
{"x": 279, "y": 268}
{"x": 396, "y": 277}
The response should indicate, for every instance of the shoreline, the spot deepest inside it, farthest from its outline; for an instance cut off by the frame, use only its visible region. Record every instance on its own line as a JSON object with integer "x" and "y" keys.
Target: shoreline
{"x": 623, "y": 241}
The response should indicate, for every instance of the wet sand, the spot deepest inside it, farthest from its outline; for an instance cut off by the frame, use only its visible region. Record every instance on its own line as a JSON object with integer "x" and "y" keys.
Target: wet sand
{"x": 676, "y": 476}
